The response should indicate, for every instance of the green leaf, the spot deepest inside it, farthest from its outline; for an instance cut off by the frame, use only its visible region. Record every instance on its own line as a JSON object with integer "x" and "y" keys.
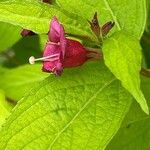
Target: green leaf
{"x": 36, "y": 16}
{"x": 82, "y": 109}
{"x": 22, "y": 78}
{"x": 127, "y": 15}
{"x": 122, "y": 54}
{"x": 135, "y": 132}
{"x": 9, "y": 35}
{"x": 4, "y": 110}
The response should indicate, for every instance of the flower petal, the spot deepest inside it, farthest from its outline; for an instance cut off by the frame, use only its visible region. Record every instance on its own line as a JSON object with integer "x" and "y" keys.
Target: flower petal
{"x": 56, "y": 31}
{"x": 63, "y": 41}
{"x": 52, "y": 65}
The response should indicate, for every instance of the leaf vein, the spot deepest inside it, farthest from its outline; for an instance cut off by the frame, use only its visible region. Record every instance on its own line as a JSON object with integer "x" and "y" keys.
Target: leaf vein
{"x": 78, "y": 113}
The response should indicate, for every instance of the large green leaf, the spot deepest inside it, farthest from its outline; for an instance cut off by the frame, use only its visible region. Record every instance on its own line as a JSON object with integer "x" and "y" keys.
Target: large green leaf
{"x": 135, "y": 132}
{"x": 9, "y": 35}
{"x": 127, "y": 15}
{"x": 36, "y": 16}
{"x": 122, "y": 54}
{"x": 15, "y": 82}
{"x": 82, "y": 109}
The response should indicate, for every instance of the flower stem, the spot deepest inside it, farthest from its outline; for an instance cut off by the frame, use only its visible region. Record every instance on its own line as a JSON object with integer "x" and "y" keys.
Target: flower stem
{"x": 94, "y": 54}
{"x": 145, "y": 72}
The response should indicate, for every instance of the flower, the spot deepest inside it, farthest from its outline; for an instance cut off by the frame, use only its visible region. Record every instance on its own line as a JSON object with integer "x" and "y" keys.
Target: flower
{"x": 56, "y": 46}
{"x": 60, "y": 52}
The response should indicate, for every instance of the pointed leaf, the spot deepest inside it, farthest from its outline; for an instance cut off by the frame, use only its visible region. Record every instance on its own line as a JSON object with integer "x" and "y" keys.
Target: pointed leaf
{"x": 122, "y": 54}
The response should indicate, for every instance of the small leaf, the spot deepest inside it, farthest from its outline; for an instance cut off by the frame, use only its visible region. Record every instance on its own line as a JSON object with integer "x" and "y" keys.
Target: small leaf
{"x": 82, "y": 109}
{"x": 122, "y": 54}
{"x": 22, "y": 78}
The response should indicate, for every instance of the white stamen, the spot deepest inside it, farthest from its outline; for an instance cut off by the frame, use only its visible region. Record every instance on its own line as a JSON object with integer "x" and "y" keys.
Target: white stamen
{"x": 32, "y": 60}
{"x": 46, "y": 58}
{"x": 52, "y": 59}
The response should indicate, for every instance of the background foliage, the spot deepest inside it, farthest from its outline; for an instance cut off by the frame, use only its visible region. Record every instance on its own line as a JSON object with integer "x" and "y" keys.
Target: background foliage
{"x": 89, "y": 107}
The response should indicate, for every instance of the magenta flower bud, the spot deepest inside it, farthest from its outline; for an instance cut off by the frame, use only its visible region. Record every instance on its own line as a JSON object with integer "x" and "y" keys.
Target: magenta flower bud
{"x": 60, "y": 52}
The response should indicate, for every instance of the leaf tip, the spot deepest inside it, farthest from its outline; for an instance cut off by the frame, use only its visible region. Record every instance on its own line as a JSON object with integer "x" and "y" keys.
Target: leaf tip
{"x": 145, "y": 108}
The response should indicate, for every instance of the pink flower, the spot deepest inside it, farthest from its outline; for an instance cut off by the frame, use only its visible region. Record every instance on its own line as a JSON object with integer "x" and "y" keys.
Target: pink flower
{"x": 60, "y": 52}
{"x": 56, "y": 47}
